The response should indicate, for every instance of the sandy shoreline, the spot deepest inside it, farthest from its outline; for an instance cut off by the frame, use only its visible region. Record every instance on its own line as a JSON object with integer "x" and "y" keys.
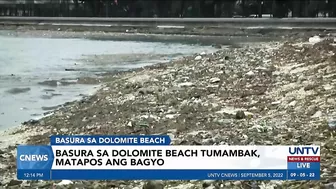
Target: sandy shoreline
{"x": 287, "y": 89}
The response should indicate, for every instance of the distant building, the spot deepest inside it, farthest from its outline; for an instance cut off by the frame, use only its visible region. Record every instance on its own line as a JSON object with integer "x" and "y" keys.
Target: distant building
{"x": 34, "y": 1}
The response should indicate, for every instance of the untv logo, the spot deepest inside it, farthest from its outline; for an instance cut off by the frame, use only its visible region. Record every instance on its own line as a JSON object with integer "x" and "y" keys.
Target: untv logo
{"x": 304, "y": 150}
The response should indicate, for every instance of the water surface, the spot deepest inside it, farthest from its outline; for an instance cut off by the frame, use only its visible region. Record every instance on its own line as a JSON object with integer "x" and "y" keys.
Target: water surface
{"x": 25, "y": 62}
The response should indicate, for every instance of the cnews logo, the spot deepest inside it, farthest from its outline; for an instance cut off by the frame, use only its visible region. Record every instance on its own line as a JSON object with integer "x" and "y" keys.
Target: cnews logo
{"x": 33, "y": 157}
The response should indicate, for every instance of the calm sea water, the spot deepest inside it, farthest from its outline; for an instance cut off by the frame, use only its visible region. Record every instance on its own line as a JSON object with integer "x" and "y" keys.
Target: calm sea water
{"x": 24, "y": 62}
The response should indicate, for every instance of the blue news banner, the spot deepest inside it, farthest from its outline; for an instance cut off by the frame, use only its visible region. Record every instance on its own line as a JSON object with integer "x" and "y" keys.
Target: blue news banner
{"x": 35, "y": 163}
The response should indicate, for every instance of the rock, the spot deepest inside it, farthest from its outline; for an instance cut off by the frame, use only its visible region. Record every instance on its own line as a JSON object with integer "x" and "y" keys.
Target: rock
{"x": 14, "y": 182}
{"x": 31, "y": 122}
{"x": 18, "y": 90}
{"x": 240, "y": 114}
{"x": 315, "y": 39}
{"x": 207, "y": 183}
{"x": 202, "y": 53}
{"x": 310, "y": 87}
{"x": 46, "y": 97}
{"x": 84, "y": 80}
{"x": 69, "y": 69}
{"x": 153, "y": 185}
{"x": 217, "y": 46}
{"x": 198, "y": 57}
{"x": 317, "y": 114}
{"x": 51, "y": 83}
{"x": 49, "y": 108}
{"x": 311, "y": 110}
{"x": 49, "y": 90}
{"x": 214, "y": 80}
{"x": 226, "y": 58}
{"x": 56, "y": 94}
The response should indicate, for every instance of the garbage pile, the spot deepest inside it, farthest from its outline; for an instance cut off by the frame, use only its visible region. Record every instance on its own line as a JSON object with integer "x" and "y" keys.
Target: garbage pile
{"x": 265, "y": 94}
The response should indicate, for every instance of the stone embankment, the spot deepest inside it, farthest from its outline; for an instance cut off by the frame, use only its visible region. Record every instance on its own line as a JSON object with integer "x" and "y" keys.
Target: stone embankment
{"x": 268, "y": 94}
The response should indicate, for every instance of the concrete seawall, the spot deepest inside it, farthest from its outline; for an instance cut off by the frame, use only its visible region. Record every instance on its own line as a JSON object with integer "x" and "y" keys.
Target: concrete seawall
{"x": 195, "y": 26}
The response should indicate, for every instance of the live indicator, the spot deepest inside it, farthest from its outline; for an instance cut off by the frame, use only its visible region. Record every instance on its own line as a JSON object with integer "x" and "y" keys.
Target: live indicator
{"x": 304, "y": 165}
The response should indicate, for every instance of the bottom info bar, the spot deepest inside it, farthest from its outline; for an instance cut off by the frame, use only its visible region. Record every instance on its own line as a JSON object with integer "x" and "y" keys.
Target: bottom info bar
{"x": 168, "y": 174}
